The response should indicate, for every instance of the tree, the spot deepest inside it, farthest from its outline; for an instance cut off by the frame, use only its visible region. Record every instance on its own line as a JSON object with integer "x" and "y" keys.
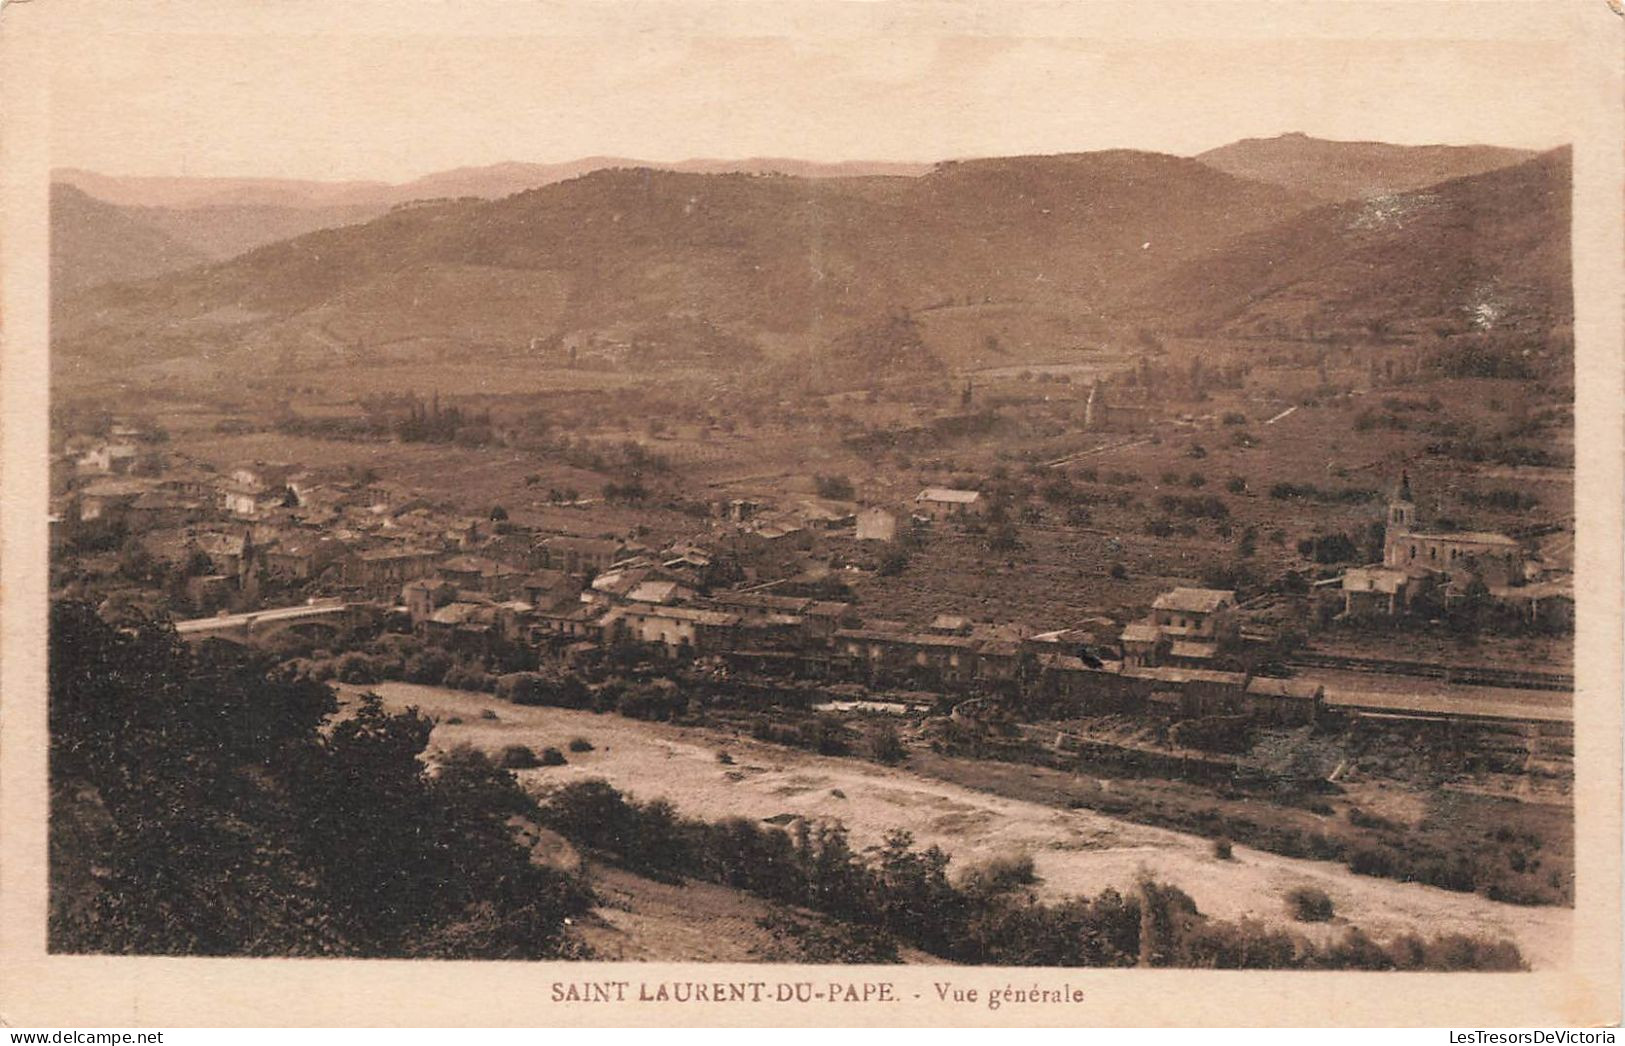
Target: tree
{"x": 226, "y": 816}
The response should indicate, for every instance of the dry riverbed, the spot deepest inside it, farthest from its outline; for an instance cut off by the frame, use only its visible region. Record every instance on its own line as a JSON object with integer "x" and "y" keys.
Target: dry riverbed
{"x": 1076, "y": 851}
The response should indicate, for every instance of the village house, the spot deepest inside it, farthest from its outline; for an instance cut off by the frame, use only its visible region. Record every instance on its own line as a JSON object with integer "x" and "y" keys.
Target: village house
{"x": 1085, "y": 644}
{"x": 1189, "y": 692}
{"x": 156, "y": 508}
{"x": 547, "y": 586}
{"x": 1285, "y": 702}
{"x": 1143, "y": 644}
{"x": 479, "y": 574}
{"x": 661, "y": 592}
{"x": 113, "y": 458}
{"x": 1124, "y": 410}
{"x": 577, "y": 555}
{"x": 111, "y": 499}
{"x": 464, "y": 627}
{"x": 945, "y": 503}
{"x": 426, "y": 595}
{"x": 824, "y": 617}
{"x": 568, "y": 618}
{"x": 251, "y": 498}
{"x": 387, "y": 568}
{"x": 1379, "y": 590}
{"x": 303, "y": 557}
{"x": 914, "y": 658}
{"x": 680, "y": 631}
{"x": 229, "y": 554}
{"x": 1201, "y": 614}
{"x": 759, "y": 606}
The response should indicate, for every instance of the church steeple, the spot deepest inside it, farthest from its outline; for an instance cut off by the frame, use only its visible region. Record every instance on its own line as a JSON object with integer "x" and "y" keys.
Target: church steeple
{"x": 1402, "y": 506}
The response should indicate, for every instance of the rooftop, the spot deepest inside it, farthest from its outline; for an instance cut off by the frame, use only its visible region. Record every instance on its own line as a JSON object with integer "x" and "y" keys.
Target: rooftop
{"x": 948, "y": 494}
{"x": 699, "y": 617}
{"x": 1306, "y": 689}
{"x": 1195, "y": 600}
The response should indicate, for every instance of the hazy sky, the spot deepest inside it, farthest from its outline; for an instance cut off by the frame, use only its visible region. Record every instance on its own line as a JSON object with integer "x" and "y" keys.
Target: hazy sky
{"x": 278, "y": 98}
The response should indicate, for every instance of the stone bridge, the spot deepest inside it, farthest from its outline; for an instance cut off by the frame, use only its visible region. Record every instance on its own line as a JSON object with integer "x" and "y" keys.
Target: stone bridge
{"x": 323, "y": 618}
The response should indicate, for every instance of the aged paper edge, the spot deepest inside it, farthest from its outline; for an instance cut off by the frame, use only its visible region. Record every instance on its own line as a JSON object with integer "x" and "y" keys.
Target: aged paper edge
{"x": 37, "y": 989}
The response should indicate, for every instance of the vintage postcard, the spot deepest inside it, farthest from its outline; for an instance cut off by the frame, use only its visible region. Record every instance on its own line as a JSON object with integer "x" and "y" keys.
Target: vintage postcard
{"x": 810, "y": 513}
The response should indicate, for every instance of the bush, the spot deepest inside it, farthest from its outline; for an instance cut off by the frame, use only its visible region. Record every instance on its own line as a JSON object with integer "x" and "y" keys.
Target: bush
{"x": 1374, "y": 861}
{"x": 1309, "y": 905}
{"x": 580, "y": 744}
{"x": 427, "y": 667}
{"x": 1223, "y": 850}
{"x": 356, "y": 667}
{"x": 886, "y": 745}
{"x": 464, "y": 677}
{"x": 725, "y": 759}
{"x": 519, "y": 687}
{"x": 517, "y": 757}
{"x": 552, "y": 757}
{"x": 999, "y": 874}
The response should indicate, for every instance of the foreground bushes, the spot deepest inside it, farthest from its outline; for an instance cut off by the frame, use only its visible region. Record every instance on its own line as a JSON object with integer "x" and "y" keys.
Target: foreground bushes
{"x": 209, "y": 803}
{"x": 985, "y": 919}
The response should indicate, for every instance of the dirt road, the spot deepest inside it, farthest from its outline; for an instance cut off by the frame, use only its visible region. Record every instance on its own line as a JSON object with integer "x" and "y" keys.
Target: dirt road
{"x": 1076, "y": 851}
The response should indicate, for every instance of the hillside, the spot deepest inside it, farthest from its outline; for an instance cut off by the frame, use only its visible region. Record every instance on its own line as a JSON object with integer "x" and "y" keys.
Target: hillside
{"x": 1335, "y": 171}
{"x": 782, "y": 262}
{"x": 219, "y": 218}
{"x": 93, "y": 242}
{"x": 1485, "y": 251}
{"x": 221, "y": 231}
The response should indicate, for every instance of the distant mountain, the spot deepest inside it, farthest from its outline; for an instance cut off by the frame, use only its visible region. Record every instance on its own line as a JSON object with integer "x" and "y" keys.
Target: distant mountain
{"x": 1335, "y": 171}
{"x": 487, "y": 182}
{"x": 1485, "y": 251}
{"x": 219, "y": 218}
{"x": 784, "y": 263}
{"x": 93, "y": 242}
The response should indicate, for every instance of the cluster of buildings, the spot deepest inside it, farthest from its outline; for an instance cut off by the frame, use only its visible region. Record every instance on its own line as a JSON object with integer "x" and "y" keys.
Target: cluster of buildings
{"x": 1443, "y": 565}
{"x": 473, "y": 585}
{"x": 660, "y": 603}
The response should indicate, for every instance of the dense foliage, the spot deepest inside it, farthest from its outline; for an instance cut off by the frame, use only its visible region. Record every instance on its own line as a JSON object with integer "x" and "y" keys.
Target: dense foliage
{"x": 212, "y": 805}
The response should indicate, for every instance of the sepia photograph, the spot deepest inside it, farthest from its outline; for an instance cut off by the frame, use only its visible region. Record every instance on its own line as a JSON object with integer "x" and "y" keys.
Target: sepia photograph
{"x": 843, "y": 485}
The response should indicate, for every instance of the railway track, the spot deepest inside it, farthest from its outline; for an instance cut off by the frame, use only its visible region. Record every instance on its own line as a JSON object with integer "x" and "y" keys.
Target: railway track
{"x": 1464, "y": 675}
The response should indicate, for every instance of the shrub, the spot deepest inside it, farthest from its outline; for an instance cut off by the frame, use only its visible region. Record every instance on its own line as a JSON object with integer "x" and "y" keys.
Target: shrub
{"x": 517, "y": 757}
{"x": 886, "y": 745}
{"x": 999, "y": 874}
{"x": 725, "y": 759}
{"x": 427, "y": 666}
{"x": 519, "y": 687}
{"x": 552, "y": 757}
{"x": 465, "y": 677}
{"x": 356, "y": 667}
{"x": 1223, "y": 850}
{"x": 1373, "y": 861}
{"x": 1119, "y": 571}
{"x": 1309, "y": 905}
{"x": 580, "y": 744}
